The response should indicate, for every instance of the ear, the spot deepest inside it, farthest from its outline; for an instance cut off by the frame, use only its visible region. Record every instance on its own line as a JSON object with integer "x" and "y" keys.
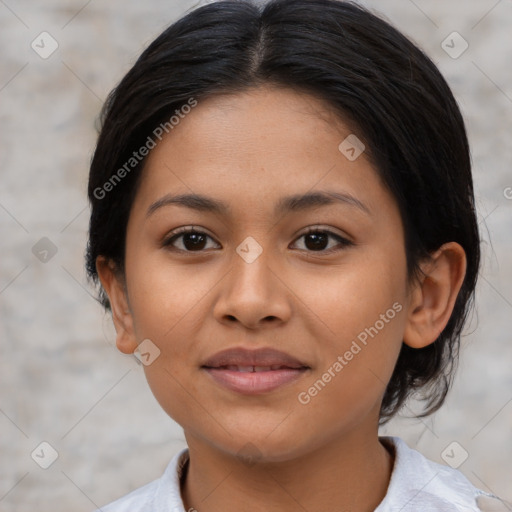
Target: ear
{"x": 433, "y": 297}
{"x": 114, "y": 285}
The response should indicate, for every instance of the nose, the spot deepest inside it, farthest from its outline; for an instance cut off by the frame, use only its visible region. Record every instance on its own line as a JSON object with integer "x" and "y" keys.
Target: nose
{"x": 253, "y": 294}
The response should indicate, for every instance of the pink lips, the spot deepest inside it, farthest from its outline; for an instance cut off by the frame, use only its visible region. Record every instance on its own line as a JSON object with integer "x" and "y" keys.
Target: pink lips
{"x": 253, "y": 371}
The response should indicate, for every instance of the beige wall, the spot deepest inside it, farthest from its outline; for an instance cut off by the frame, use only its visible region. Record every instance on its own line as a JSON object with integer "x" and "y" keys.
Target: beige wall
{"x": 64, "y": 382}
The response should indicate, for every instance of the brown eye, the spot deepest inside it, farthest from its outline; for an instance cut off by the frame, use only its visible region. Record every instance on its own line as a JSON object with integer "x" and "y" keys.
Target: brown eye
{"x": 191, "y": 240}
{"x": 317, "y": 240}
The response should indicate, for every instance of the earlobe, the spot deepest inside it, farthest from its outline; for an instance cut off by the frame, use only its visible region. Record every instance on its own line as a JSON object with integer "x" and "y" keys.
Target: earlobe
{"x": 433, "y": 298}
{"x": 114, "y": 287}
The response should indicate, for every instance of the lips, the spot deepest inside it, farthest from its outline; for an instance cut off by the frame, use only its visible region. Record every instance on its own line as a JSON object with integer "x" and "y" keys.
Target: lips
{"x": 251, "y": 368}
{"x": 245, "y": 360}
{"x": 253, "y": 372}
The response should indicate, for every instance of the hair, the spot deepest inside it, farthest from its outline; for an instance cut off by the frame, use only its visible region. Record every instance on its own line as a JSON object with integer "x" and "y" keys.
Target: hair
{"x": 371, "y": 75}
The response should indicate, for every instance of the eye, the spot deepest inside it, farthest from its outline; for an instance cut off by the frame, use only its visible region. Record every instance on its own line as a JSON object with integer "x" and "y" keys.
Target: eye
{"x": 317, "y": 240}
{"x": 191, "y": 239}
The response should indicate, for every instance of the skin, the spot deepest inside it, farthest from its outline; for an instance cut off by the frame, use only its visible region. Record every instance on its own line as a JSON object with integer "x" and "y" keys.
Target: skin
{"x": 249, "y": 150}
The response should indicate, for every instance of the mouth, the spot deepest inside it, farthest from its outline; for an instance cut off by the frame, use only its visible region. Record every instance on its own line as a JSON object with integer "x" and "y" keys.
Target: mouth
{"x": 251, "y": 368}
{"x": 251, "y": 372}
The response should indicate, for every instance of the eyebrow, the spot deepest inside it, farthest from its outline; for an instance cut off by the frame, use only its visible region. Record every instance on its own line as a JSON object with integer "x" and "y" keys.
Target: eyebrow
{"x": 294, "y": 203}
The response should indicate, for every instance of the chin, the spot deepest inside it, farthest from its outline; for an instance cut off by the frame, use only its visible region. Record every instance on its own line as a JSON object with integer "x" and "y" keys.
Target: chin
{"x": 258, "y": 447}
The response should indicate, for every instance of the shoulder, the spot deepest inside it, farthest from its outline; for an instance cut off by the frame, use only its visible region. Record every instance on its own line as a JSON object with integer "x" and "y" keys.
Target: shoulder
{"x": 418, "y": 483}
{"x": 138, "y": 500}
{"x": 162, "y": 494}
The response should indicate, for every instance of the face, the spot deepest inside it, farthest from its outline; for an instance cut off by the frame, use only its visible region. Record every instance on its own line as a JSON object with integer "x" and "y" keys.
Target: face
{"x": 323, "y": 281}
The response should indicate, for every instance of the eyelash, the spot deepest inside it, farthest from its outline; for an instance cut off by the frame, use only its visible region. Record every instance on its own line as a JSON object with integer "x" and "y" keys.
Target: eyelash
{"x": 343, "y": 242}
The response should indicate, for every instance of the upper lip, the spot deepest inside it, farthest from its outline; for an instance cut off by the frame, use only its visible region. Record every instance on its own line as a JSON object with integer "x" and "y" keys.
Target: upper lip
{"x": 239, "y": 356}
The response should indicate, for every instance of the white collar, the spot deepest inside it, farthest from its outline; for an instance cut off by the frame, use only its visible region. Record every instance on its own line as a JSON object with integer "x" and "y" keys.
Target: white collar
{"x": 417, "y": 484}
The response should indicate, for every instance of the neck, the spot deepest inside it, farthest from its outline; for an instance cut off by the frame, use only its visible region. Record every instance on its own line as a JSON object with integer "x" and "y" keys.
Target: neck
{"x": 352, "y": 473}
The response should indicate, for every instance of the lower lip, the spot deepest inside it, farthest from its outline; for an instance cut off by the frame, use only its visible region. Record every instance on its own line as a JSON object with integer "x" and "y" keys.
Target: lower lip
{"x": 254, "y": 383}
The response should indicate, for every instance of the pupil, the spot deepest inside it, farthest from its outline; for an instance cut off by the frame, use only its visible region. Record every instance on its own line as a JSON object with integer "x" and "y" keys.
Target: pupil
{"x": 318, "y": 240}
{"x": 195, "y": 239}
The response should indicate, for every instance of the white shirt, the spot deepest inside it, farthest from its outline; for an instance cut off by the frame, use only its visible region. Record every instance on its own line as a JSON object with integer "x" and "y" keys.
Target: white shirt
{"x": 417, "y": 485}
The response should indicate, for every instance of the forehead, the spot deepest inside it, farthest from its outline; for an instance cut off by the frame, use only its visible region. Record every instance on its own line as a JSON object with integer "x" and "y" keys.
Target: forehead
{"x": 253, "y": 148}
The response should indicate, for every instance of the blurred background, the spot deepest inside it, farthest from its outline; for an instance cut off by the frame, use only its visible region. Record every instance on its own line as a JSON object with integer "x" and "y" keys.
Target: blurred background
{"x": 63, "y": 382}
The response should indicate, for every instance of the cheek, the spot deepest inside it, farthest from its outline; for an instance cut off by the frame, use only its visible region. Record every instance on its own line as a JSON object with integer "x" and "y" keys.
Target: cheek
{"x": 350, "y": 297}
{"x": 166, "y": 297}
{"x": 354, "y": 372}
{"x": 169, "y": 305}
{"x": 359, "y": 316}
